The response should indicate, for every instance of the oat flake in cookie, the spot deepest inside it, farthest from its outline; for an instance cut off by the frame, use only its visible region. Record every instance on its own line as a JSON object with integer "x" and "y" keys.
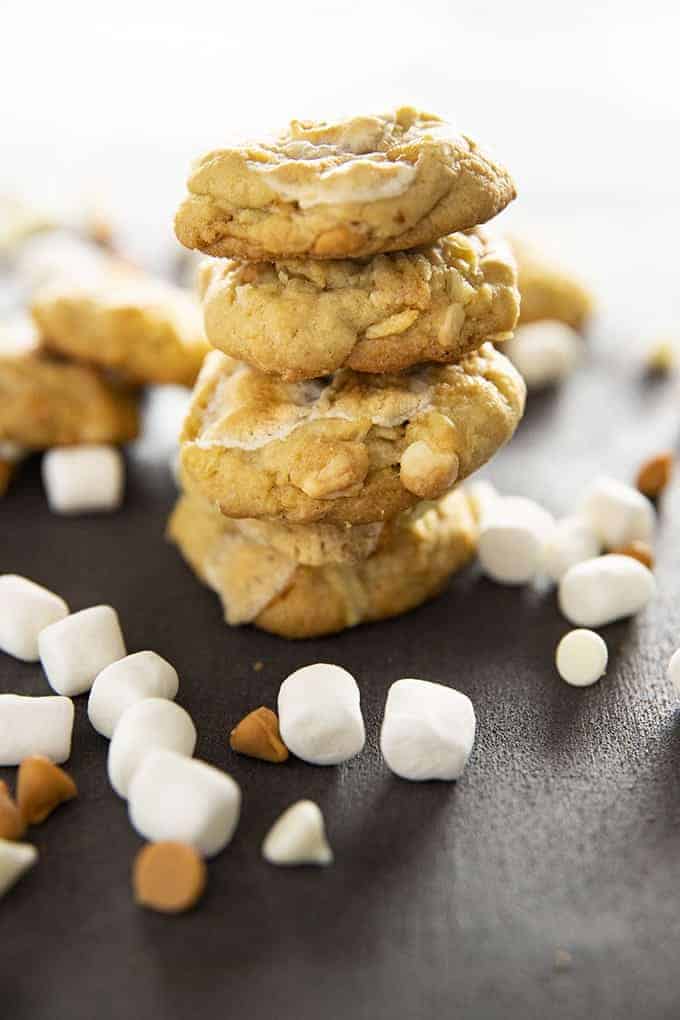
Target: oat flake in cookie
{"x": 355, "y": 187}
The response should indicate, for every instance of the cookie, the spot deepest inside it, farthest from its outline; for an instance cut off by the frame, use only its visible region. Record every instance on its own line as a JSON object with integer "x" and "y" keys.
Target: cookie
{"x": 11, "y": 456}
{"x": 314, "y": 544}
{"x": 549, "y": 291}
{"x": 145, "y": 330}
{"x": 347, "y": 449}
{"x": 47, "y": 402}
{"x": 303, "y": 319}
{"x": 259, "y": 585}
{"x": 347, "y": 189}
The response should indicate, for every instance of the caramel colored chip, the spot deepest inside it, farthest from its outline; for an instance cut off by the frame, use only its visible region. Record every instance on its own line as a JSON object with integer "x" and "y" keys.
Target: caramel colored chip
{"x": 638, "y": 550}
{"x": 41, "y": 787}
{"x": 12, "y": 825}
{"x": 655, "y": 474}
{"x": 168, "y": 877}
{"x": 258, "y": 736}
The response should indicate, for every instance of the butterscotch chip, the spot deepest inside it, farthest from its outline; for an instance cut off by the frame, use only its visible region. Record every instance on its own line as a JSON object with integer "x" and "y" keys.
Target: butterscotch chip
{"x": 638, "y": 550}
{"x": 41, "y": 787}
{"x": 168, "y": 877}
{"x": 655, "y": 474}
{"x": 12, "y": 825}
{"x": 257, "y": 735}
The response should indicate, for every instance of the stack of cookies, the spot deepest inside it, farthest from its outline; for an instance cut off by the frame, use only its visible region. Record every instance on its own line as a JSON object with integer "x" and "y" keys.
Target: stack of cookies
{"x": 355, "y": 382}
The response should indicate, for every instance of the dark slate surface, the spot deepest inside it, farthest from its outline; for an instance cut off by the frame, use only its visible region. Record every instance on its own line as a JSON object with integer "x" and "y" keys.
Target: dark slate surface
{"x": 544, "y": 884}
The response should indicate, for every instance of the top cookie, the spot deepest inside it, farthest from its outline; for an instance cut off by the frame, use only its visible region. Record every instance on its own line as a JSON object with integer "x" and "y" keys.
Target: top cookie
{"x": 332, "y": 190}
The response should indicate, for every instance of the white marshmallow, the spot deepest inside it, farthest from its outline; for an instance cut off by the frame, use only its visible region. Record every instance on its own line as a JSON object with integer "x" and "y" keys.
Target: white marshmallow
{"x": 581, "y": 657}
{"x": 320, "y": 715}
{"x": 35, "y": 726}
{"x": 25, "y": 609}
{"x": 512, "y": 536}
{"x": 178, "y": 798}
{"x": 674, "y": 670}
{"x": 83, "y": 479}
{"x": 571, "y": 541}
{"x": 428, "y": 730}
{"x": 77, "y": 648}
{"x": 544, "y": 352}
{"x": 298, "y": 836}
{"x": 618, "y": 513}
{"x": 602, "y": 590}
{"x": 15, "y": 860}
{"x": 482, "y": 495}
{"x": 124, "y": 683}
{"x": 145, "y": 726}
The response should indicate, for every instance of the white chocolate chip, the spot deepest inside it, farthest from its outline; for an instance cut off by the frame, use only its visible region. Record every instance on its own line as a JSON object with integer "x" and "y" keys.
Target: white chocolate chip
{"x": 512, "y": 536}
{"x": 618, "y": 513}
{"x": 15, "y": 860}
{"x": 544, "y": 352}
{"x": 30, "y": 726}
{"x": 25, "y": 609}
{"x": 571, "y": 541}
{"x": 581, "y": 658}
{"x": 298, "y": 837}
{"x": 428, "y": 730}
{"x": 602, "y": 590}
{"x": 83, "y": 479}
{"x": 177, "y": 798}
{"x": 125, "y": 682}
{"x": 74, "y": 650}
{"x": 320, "y": 714}
{"x": 426, "y": 472}
{"x": 145, "y": 726}
{"x": 482, "y": 495}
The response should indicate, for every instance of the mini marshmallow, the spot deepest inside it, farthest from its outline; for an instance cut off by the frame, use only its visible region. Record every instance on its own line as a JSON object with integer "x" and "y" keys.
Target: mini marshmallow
{"x": 124, "y": 683}
{"x": 145, "y": 726}
{"x": 182, "y": 799}
{"x": 544, "y": 352}
{"x": 512, "y": 536}
{"x": 428, "y": 730}
{"x": 83, "y": 479}
{"x": 602, "y": 590}
{"x": 571, "y": 541}
{"x": 15, "y": 860}
{"x": 320, "y": 716}
{"x": 674, "y": 670}
{"x": 298, "y": 836}
{"x": 30, "y": 726}
{"x": 77, "y": 648}
{"x": 581, "y": 657}
{"x": 25, "y": 609}
{"x": 618, "y": 513}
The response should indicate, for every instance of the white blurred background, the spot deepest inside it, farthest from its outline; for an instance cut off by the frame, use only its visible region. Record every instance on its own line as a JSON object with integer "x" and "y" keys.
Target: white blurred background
{"x": 582, "y": 102}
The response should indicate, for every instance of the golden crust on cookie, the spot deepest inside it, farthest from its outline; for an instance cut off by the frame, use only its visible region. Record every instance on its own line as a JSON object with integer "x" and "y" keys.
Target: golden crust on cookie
{"x": 348, "y": 449}
{"x": 145, "y": 330}
{"x": 548, "y": 291}
{"x": 356, "y": 187}
{"x": 304, "y": 318}
{"x": 314, "y": 544}
{"x": 258, "y": 585}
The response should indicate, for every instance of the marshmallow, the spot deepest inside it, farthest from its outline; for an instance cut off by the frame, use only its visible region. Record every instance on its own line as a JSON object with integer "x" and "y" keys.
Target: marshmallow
{"x": 15, "y": 860}
{"x": 182, "y": 799}
{"x": 571, "y": 541}
{"x": 125, "y": 682}
{"x": 320, "y": 716}
{"x": 602, "y": 590}
{"x": 77, "y": 648}
{"x": 544, "y": 352}
{"x": 581, "y": 657}
{"x": 618, "y": 513}
{"x": 512, "y": 535}
{"x": 25, "y": 608}
{"x": 428, "y": 730}
{"x": 31, "y": 726}
{"x": 298, "y": 837}
{"x": 674, "y": 670}
{"x": 83, "y": 479}
{"x": 143, "y": 727}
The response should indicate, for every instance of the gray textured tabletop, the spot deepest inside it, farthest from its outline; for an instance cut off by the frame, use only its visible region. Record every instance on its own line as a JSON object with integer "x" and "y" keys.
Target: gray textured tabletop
{"x": 543, "y": 884}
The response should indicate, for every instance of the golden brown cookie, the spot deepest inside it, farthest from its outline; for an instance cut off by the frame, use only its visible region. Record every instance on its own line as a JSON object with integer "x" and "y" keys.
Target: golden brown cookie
{"x": 350, "y": 449}
{"x": 304, "y": 318}
{"x": 548, "y": 291}
{"x": 145, "y": 330}
{"x": 412, "y": 563}
{"x": 347, "y": 189}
